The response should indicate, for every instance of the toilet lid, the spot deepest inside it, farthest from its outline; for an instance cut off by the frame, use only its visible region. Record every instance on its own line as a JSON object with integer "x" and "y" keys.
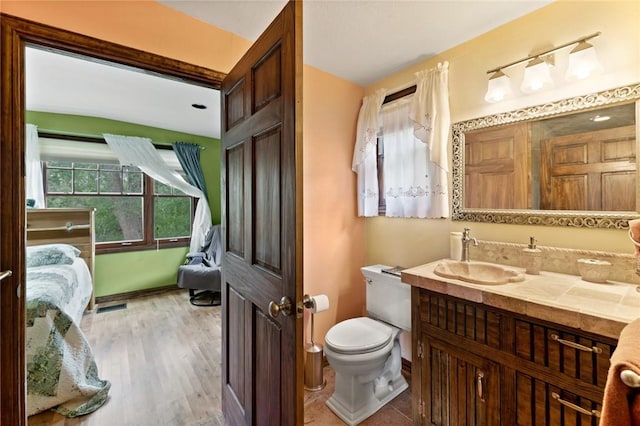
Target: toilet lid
{"x": 358, "y": 335}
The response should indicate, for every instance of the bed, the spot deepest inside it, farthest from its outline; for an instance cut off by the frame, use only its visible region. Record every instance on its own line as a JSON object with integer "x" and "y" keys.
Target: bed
{"x": 61, "y": 371}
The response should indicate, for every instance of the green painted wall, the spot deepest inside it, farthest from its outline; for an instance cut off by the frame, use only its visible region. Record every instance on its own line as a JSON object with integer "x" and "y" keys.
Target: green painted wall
{"x": 137, "y": 270}
{"x": 123, "y": 272}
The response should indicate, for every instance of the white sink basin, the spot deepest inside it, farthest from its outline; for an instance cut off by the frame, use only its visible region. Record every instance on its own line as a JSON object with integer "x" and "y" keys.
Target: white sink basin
{"x": 477, "y": 272}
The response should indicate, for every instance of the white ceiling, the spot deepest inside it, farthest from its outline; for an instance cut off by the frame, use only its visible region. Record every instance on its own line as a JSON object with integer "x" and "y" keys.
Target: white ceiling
{"x": 363, "y": 41}
{"x": 71, "y": 85}
{"x": 360, "y": 41}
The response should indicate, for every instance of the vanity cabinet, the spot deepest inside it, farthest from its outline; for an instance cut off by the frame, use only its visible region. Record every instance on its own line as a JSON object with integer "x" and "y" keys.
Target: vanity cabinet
{"x": 462, "y": 388}
{"x": 477, "y": 365}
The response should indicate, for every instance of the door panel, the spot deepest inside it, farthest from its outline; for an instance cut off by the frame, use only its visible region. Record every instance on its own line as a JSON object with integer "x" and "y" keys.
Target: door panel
{"x": 235, "y": 105}
{"x": 236, "y": 350}
{"x": 590, "y": 171}
{"x": 267, "y": 247}
{"x": 265, "y": 87}
{"x": 235, "y": 200}
{"x": 268, "y": 370}
{"x": 261, "y": 170}
{"x": 497, "y": 168}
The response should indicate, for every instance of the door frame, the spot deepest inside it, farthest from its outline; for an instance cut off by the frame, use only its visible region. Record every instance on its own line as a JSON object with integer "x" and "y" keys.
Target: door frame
{"x": 15, "y": 34}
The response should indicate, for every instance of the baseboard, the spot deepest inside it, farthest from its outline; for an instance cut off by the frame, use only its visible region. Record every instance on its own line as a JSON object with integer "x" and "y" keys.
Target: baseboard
{"x": 135, "y": 294}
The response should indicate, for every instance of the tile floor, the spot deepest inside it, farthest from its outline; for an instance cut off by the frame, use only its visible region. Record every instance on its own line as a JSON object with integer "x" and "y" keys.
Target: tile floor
{"x": 397, "y": 412}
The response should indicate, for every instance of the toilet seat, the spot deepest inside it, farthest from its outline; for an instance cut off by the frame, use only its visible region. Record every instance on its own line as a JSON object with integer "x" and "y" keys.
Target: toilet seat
{"x": 358, "y": 336}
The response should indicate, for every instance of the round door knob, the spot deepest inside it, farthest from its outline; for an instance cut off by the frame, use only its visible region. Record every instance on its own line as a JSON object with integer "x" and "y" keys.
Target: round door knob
{"x": 284, "y": 306}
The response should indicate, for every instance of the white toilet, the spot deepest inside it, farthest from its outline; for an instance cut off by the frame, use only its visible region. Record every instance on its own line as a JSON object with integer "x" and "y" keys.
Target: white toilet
{"x": 365, "y": 351}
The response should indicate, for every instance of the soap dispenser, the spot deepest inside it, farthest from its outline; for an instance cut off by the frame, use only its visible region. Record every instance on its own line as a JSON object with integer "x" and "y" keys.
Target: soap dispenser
{"x": 532, "y": 256}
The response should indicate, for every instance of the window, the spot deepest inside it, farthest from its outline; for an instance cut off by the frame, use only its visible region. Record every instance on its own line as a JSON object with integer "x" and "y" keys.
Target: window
{"x": 382, "y": 203}
{"x": 133, "y": 211}
{"x": 408, "y": 175}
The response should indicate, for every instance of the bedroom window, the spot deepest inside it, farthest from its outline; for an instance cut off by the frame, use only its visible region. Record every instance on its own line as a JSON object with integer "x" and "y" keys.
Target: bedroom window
{"x": 133, "y": 211}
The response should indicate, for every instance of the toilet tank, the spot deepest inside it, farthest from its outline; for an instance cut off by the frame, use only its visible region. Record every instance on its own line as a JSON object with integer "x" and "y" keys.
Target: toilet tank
{"x": 388, "y": 298}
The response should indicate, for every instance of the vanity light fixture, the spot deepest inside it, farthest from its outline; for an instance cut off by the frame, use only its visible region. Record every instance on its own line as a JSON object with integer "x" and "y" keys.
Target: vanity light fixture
{"x": 537, "y": 76}
{"x": 583, "y": 63}
{"x": 499, "y": 87}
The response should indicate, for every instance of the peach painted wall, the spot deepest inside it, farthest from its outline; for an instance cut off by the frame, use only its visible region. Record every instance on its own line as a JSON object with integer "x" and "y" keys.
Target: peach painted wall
{"x": 415, "y": 241}
{"x": 333, "y": 233}
{"x": 142, "y": 24}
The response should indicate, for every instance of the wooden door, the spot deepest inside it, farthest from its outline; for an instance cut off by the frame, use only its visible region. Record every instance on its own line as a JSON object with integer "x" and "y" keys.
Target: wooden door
{"x": 496, "y": 166}
{"x": 459, "y": 388}
{"x": 262, "y": 220}
{"x": 593, "y": 171}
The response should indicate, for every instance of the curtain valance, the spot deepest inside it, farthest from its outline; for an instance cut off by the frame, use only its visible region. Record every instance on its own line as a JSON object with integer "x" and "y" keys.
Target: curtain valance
{"x": 415, "y": 177}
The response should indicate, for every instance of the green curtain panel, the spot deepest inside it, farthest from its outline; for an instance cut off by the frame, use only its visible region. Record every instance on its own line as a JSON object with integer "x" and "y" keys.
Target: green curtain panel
{"x": 189, "y": 156}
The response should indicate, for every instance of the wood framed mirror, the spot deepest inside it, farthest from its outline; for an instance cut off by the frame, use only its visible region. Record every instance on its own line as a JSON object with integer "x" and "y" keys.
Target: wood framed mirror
{"x": 570, "y": 162}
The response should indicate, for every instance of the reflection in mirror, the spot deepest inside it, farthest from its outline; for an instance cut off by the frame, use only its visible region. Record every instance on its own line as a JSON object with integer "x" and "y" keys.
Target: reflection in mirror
{"x": 571, "y": 163}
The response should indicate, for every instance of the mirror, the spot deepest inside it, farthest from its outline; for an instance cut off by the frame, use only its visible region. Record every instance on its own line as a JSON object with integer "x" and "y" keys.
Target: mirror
{"x": 562, "y": 163}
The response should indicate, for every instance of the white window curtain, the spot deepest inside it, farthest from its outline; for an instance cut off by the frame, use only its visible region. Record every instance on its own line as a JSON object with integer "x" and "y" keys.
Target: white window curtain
{"x": 409, "y": 183}
{"x": 432, "y": 120}
{"x": 364, "y": 154}
{"x": 33, "y": 180}
{"x": 140, "y": 152}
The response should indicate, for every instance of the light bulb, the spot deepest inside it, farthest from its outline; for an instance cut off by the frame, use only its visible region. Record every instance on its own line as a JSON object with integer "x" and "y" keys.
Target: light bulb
{"x": 498, "y": 88}
{"x": 583, "y": 62}
{"x": 536, "y": 76}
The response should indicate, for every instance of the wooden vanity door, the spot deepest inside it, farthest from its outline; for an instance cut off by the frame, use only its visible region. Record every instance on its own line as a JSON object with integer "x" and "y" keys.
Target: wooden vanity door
{"x": 542, "y": 403}
{"x": 459, "y": 388}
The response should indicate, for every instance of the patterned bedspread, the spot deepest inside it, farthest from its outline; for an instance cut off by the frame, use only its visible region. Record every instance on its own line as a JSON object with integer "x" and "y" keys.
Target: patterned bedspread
{"x": 61, "y": 370}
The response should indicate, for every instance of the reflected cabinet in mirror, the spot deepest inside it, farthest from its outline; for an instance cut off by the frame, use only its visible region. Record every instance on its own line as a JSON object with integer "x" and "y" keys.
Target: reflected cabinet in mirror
{"x": 566, "y": 163}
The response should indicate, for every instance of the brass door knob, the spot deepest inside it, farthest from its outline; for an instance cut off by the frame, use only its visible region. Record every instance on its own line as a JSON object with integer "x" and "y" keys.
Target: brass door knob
{"x": 284, "y": 306}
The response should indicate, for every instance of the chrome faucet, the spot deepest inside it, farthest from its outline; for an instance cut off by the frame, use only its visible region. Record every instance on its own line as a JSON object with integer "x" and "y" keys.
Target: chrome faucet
{"x": 466, "y": 239}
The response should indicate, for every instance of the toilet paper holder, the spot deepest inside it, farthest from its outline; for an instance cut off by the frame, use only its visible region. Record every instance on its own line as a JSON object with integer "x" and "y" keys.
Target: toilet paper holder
{"x": 307, "y": 302}
{"x": 313, "y": 374}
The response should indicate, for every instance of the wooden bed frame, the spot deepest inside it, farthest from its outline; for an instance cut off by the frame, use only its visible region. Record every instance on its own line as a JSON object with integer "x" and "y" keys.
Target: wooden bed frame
{"x": 68, "y": 226}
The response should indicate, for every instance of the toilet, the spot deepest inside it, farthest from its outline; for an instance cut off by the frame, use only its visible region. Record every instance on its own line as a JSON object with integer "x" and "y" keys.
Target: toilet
{"x": 365, "y": 352}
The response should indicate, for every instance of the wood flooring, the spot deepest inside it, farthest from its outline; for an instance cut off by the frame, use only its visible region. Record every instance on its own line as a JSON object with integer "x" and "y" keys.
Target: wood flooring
{"x": 162, "y": 356}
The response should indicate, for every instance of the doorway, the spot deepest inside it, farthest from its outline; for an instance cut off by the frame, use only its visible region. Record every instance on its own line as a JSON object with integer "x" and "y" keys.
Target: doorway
{"x": 73, "y": 100}
{"x": 17, "y": 34}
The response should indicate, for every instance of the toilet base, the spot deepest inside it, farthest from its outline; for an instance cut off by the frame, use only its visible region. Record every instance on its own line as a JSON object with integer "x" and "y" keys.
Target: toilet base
{"x": 370, "y": 405}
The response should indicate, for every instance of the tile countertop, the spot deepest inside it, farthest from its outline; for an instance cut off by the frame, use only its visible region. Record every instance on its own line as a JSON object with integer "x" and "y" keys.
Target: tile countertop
{"x": 602, "y": 309}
